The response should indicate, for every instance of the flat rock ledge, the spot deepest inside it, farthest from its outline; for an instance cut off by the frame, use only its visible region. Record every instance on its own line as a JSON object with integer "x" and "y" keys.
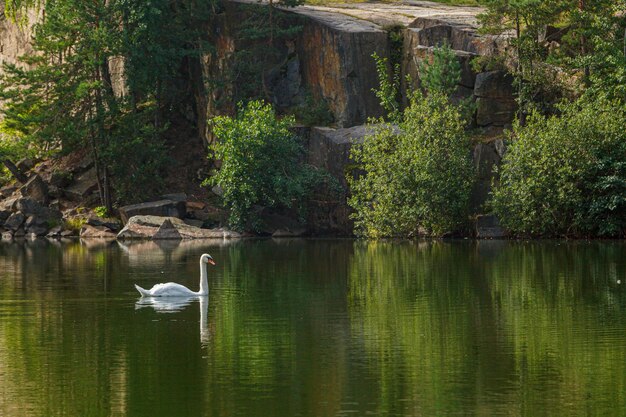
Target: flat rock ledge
{"x": 159, "y": 228}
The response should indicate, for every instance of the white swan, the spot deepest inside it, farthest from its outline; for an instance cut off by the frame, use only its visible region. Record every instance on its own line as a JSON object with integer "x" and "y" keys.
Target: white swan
{"x": 171, "y": 289}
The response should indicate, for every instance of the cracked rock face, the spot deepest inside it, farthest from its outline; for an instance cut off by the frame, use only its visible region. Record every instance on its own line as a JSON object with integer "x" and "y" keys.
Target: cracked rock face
{"x": 14, "y": 41}
{"x": 331, "y": 57}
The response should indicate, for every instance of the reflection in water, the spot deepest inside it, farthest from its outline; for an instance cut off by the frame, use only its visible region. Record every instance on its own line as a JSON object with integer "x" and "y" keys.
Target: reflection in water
{"x": 315, "y": 328}
{"x": 177, "y": 304}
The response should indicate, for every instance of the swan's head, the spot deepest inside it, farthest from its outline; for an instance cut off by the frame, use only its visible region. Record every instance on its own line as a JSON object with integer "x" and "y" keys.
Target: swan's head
{"x": 207, "y": 259}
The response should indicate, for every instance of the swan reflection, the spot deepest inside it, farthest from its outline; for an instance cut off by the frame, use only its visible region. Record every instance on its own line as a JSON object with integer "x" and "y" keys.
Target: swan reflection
{"x": 177, "y": 304}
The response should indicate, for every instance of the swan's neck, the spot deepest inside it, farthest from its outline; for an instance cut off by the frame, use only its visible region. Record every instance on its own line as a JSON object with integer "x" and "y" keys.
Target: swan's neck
{"x": 204, "y": 284}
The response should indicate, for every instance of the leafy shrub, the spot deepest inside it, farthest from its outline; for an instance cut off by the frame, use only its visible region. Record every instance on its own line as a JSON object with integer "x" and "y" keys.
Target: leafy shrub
{"x": 388, "y": 91}
{"x": 75, "y": 224}
{"x": 417, "y": 178}
{"x": 566, "y": 175}
{"x": 261, "y": 165}
{"x": 101, "y": 211}
{"x": 443, "y": 73}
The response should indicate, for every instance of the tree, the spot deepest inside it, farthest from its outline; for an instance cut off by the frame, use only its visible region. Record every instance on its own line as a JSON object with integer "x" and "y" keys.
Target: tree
{"x": 589, "y": 47}
{"x": 63, "y": 97}
{"x": 443, "y": 73}
{"x": 596, "y": 46}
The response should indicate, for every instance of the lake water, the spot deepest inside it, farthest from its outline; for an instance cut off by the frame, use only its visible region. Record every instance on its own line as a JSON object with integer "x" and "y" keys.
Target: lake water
{"x": 315, "y": 328}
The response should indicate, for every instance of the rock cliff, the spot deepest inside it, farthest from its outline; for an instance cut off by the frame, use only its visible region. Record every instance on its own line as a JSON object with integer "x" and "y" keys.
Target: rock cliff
{"x": 331, "y": 56}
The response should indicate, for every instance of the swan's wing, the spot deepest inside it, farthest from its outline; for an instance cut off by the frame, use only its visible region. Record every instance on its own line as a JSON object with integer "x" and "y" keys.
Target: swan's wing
{"x": 170, "y": 289}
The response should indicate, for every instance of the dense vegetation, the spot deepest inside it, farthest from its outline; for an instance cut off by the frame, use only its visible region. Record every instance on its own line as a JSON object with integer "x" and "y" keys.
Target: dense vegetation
{"x": 66, "y": 96}
{"x": 564, "y": 172}
{"x": 566, "y": 175}
{"x": 260, "y": 164}
{"x": 415, "y": 175}
{"x": 563, "y": 175}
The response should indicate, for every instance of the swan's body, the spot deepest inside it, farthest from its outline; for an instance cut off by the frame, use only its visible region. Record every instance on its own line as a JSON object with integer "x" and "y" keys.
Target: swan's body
{"x": 172, "y": 289}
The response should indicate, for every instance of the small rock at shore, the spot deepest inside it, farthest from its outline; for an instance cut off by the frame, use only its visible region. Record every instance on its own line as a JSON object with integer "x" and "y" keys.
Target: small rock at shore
{"x": 89, "y": 231}
{"x": 160, "y": 227}
{"x": 14, "y": 221}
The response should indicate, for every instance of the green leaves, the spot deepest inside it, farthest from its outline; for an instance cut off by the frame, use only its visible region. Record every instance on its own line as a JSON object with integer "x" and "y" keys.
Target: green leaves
{"x": 417, "y": 177}
{"x": 388, "y": 91}
{"x": 105, "y": 75}
{"x": 260, "y": 163}
{"x": 566, "y": 176}
{"x": 443, "y": 74}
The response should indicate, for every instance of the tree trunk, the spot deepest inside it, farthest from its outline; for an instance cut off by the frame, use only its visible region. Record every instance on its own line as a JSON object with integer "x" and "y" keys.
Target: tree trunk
{"x": 520, "y": 76}
{"x": 583, "y": 46}
{"x": 15, "y": 171}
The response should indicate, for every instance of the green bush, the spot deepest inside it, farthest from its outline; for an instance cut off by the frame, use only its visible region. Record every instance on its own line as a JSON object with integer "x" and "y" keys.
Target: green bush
{"x": 443, "y": 73}
{"x": 261, "y": 163}
{"x": 566, "y": 175}
{"x": 417, "y": 177}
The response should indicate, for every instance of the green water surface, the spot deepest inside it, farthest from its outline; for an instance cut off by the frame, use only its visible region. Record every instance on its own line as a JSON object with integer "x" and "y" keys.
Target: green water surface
{"x": 315, "y": 328}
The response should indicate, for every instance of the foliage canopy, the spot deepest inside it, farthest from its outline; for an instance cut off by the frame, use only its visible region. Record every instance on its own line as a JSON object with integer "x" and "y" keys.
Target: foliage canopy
{"x": 261, "y": 163}
{"x": 566, "y": 175}
{"x": 67, "y": 94}
{"x": 417, "y": 177}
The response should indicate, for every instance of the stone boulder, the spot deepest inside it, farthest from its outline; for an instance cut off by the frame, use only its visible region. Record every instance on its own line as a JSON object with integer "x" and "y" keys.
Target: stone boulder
{"x": 161, "y": 208}
{"x": 15, "y": 221}
{"x": 160, "y": 227}
{"x": 460, "y": 35}
{"x": 486, "y": 157}
{"x": 31, "y": 207}
{"x": 111, "y": 224}
{"x": 36, "y": 189}
{"x": 495, "y": 102}
{"x": 4, "y": 215}
{"x": 7, "y": 191}
{"x": 55, "y": 232}
{"x": 25, "y": 164}
{"x": 83, "y": 186}
{"x": 60, "y": 179}
{"x": 329, "y": 148}
{"x": 89, "y": 231}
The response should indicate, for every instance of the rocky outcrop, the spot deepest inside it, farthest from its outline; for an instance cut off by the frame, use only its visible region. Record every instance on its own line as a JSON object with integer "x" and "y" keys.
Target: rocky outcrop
{"x": 36, "y": 189}
{"x": 81, "y": 187}
{"x": 158, "y": 227}
{"x": 27, "y": 217}
{"x": 329, "y": 148}
{"x": 335, "y": 52}
{"x": 486, "y": 156}
{"x": 14, "y": 40}
{"x": 495, "y": 104}
{"x": 331, "y": 57}
{"x": 163, "y": 208}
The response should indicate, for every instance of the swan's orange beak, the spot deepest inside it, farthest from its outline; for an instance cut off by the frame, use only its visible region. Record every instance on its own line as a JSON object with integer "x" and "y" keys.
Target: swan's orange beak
{"x": 212, "y": 262}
